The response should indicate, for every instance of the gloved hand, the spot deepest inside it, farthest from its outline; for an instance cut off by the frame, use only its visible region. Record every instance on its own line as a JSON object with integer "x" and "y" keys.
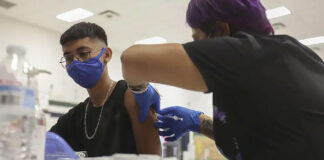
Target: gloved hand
{"x": 178, "y": 121}
{"x": 150, "y": 98}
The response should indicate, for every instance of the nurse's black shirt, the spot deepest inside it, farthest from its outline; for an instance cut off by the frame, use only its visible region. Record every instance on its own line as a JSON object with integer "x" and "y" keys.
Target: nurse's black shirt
{"x": 268, "y": 96}
{"x": 114, "y": 134}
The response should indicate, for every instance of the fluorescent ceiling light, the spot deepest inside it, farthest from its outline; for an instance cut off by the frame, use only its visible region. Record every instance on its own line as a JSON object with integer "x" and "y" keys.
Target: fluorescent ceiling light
{"x": 312, "y": 41}
{"x": 153, "y": 40}
{"x": 277, "y": 12}
{"x": 74, "y": 15}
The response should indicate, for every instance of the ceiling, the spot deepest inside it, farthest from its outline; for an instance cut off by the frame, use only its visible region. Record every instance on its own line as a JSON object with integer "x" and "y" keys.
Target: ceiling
{"x": 140, "y": 19}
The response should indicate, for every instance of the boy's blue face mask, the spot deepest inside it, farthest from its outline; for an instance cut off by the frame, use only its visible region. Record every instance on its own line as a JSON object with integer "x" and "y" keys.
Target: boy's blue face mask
{"x": 88, "y": 72}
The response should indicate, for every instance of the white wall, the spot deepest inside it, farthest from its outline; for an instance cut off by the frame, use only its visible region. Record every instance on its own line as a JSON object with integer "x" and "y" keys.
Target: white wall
{"x": 44, "y": 51}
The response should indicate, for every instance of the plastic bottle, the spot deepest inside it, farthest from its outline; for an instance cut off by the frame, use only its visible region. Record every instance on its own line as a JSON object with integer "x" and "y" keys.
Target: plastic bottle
{"x": 38, "y": 136}
{"x": 22, "y": 126}
{"x": 16, "y": 117}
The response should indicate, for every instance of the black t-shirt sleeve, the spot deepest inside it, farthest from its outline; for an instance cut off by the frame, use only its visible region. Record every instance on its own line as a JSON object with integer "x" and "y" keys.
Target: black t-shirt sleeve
{"x": 219, "y": 59}
{"x": 64, "y": 125}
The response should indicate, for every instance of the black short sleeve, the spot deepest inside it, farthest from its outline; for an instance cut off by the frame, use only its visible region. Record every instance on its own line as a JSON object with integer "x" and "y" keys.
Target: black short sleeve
{"x": 64, "y": 124}
{"x": 219, "y": 59}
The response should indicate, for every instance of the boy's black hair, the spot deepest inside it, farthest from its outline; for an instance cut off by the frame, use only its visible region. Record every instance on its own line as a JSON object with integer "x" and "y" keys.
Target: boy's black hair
{"x": 83, "y": 30}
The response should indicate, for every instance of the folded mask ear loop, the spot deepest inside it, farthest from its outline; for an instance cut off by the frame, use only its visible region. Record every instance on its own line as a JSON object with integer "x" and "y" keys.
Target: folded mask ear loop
{"x": 99, "y": 55}
{"x": 98, "y": 58}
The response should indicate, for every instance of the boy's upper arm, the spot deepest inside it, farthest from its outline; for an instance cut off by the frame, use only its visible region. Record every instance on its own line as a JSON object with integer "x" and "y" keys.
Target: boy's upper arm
{"x": 146, "y": 135}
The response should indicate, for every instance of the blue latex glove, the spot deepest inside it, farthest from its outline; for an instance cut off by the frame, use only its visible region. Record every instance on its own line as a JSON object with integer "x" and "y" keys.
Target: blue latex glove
{"x": 150, "y": 98}
{"x": 177, "y": 121}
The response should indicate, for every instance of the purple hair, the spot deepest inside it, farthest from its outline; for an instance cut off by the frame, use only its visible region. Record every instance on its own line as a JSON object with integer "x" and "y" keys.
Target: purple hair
{"x": 241, "y": 15}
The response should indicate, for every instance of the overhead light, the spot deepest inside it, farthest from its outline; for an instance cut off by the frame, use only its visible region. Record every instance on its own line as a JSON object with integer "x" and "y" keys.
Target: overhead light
{"x": 312, "y": 41}
{"x": 277, "y": 12}
{"x": 6, "y": 4}
{"x": 278, "y": 25}
{"x": 153, "y": 40}
{"x": 74, "y": 15}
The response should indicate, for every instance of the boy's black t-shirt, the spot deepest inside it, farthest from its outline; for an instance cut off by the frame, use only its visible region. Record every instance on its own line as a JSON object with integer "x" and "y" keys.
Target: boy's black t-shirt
{"x": 114, "y": 134}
